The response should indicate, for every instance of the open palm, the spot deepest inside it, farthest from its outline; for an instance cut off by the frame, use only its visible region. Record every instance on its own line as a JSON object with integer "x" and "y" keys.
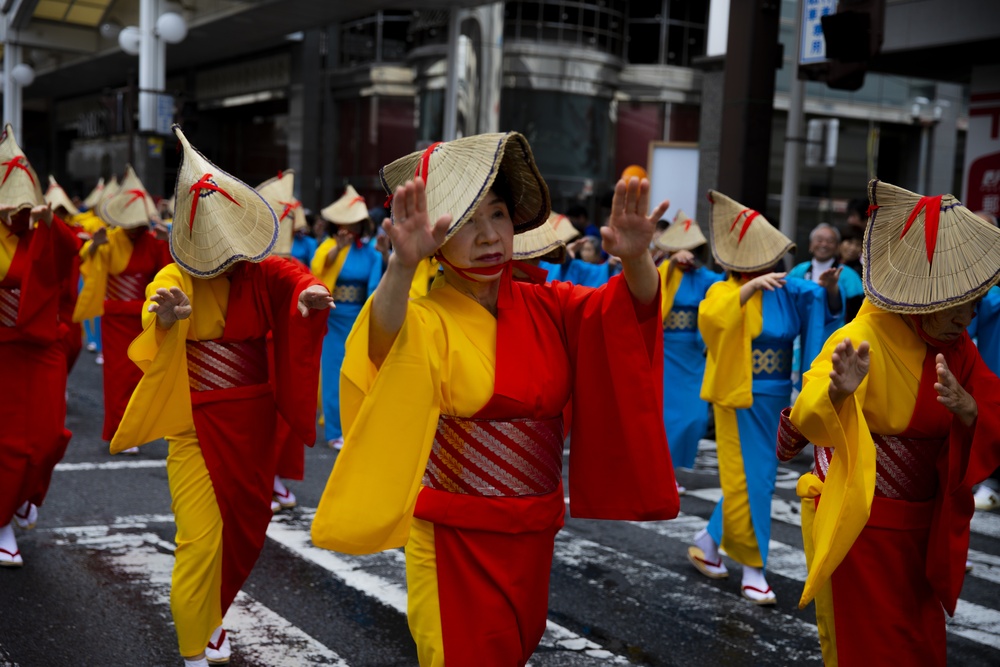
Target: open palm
{"x": 629, "y": 228}
{"x": 410, "y": 230}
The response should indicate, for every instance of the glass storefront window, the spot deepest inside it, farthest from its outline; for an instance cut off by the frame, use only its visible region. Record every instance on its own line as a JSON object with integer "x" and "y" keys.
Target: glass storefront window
{"x": 666, "y": 32}
{"x": 587, "y": 23}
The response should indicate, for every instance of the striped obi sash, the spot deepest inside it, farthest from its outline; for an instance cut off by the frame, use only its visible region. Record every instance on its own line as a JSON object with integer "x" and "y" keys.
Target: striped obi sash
{"x": 682, "y": 319}
{"x": 905, "y": 468}
{"x": 488, "y": 457}
{"x": 772, "y": 361}
{"x": 350, "y": 291}
{"x": 126, "y": 287}
{"x": 10, "y": 301}
{"x": 213, "y": 364}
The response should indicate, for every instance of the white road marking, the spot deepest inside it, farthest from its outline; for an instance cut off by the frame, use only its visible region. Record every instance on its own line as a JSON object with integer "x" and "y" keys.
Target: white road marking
{"x": 258, "y": 635}
{"x": 111, "y": 465}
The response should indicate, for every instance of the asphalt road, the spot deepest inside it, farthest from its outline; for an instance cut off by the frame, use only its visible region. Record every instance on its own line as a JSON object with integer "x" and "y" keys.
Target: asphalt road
{"x": 95, "y": 585}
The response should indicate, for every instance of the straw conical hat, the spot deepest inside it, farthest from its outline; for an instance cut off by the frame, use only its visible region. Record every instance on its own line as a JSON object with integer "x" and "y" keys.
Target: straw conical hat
{"x": 537, "y": 242}
{"x": 278, "y": 192}
{"x": 683, "y": 234}
{"x": 131, "y": 206}
{"x": 912, "y": 265}
{"x": 219, "y": 220}
{"x": 347, "y": 210}
{"x": 95, "y": 195}
{"x": 55, "y": 197}
{"x": 563, "y": 227}
{"x": 460, "y": 173}
{"x": 19, "y": 185}
{"x": 742, "y": 239}
{"x": 111, "y": 188}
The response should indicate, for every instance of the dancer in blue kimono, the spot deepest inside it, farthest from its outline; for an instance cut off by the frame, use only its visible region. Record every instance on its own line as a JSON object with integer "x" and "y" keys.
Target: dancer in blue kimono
{"x": 749, "y": 322}
{"x": 351, "y": 270}
{"x": 683, "y": 285}
{"x": 582, "y": 266}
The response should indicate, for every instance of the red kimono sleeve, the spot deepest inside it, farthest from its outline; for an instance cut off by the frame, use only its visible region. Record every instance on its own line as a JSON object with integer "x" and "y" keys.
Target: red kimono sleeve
{"x": 972, "y": 454}
{"x": 298, "y": 343}
{"x": 620, "y": 465}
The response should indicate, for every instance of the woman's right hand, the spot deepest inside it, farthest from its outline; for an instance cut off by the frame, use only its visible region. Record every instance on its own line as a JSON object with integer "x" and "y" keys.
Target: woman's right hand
{"x": 768, "y": 281}
{"x": 413, "y": 236}
{"x": 170, "y": 305}
{"x": 850, "y": 366}
{"x": 100, "y": 237}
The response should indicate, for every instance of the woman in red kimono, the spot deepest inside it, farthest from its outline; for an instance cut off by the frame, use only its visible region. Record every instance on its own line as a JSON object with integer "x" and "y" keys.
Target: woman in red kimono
{"x": 905, "y": 418}
{"x": 117, "y": 265}
{"x": 452, "y": 403}
{"x": 36, "y": 252}
{"x": 207, "y": 388}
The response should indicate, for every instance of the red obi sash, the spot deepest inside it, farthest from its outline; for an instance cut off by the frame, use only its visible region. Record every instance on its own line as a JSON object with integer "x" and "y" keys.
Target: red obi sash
{"x": 10, "y": 301}
{"x": 493, "y": 457}
{"x": 214, "y": 364}
{"x": 123, "y": 287}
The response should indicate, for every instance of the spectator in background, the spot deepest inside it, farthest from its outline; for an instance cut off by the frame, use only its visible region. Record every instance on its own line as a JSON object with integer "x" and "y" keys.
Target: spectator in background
{"x": 851, "y": 238}
{"x": 580, "y": 218}
{"x": 857, "y": 213}
{"x": 824, "y": 241}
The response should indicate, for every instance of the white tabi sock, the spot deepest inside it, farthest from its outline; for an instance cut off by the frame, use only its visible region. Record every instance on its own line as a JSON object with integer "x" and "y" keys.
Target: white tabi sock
{"x": 704, "y": 541}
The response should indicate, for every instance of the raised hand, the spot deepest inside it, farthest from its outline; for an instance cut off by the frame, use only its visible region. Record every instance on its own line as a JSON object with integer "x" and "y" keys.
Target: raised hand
{"x": 850, "y": 366}
{"x": 829, "y": 278}
{"x": 170, "y": 305}
{"x": 768, "y": 281}
{"x": 100, "y": 237}
{"x": 43, "y": 213}
{"x": 682, "y": 257}
{"x": 6, "y": 212}
{"x": 344, "y": 239}
{"x": 413, "y": 235}
{"x": 630, "y": 229}
{"x": 314, "y": 297}
{"x": 953, "y": 396}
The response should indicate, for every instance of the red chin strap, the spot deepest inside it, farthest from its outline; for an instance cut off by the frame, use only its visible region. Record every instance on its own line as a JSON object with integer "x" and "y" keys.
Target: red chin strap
{"x": 927, "y": 338}
{"x": 472, "y": 272}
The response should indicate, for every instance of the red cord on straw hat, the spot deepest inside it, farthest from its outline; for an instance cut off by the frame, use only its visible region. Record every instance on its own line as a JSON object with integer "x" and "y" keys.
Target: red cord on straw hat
{"x": 425, "y": 160}
{"x": 687, "y": 225}
{"x": 932, "y": 216}
{"x": 136, "y": 194}
{"x": 16, "y": 162}
{"x": 746, "y": 223}
{"x": 204, "y": 183}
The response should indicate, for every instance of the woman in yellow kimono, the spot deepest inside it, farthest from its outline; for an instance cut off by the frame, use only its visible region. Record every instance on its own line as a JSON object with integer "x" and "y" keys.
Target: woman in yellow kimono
{"x": 905, "y": 418}
{"x": 452, "y": 403}
{"x": 208, "y": 389}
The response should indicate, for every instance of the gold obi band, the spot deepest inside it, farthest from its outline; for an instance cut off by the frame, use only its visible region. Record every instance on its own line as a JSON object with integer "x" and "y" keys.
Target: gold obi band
{"x": 214, "y": 364}
{"x": 489, "y": 457}
{"x": 772, "y": 362}
{"x": 682, "y": 319}
{"x": 126, "y": 287}
{"x": 350, "y": 291}
{"x": 10, "y": 302}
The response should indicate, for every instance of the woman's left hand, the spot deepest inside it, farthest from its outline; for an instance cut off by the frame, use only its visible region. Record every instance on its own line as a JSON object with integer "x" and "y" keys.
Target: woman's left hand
{"x": 630, "y": 229}
{"x": 314, "y": 297}
{"x": 953, "y": 396}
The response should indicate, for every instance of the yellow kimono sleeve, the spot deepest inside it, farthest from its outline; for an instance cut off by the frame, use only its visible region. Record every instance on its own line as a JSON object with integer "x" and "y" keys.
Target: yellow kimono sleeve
{"x": 883, "y": 403}
{"x": 425, "y": 273}
{"x": 670, "y": 280}
{"x": 727, "y": 328}
{"x": 328, "y": 273}
{"x": 389, "y": 417}
{"x": 110, "y": 259}
{"x": 161, "y": 404}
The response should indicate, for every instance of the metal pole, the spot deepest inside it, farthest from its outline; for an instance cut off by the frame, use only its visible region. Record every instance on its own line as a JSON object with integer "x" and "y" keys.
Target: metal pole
{"x": 451, "y": 91}
{"x": 925, "y": 132}
{"x": 793, "y": 141}
{"x": 148, "y": 51}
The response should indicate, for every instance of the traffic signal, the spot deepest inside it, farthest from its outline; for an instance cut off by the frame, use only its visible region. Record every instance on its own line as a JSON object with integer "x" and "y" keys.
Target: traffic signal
{"x": 853, "y": 36}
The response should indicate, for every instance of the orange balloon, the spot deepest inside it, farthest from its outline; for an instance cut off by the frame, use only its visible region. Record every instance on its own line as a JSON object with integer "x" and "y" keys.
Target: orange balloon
{"x": 634, "y": 170}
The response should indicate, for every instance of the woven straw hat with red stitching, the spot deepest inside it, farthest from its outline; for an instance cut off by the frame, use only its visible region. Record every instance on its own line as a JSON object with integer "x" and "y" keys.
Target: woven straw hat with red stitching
{"x": 542, "y": 241}
{"x": 563, "y": 227}
{"x": 218, "y": 220}
{"x": 55, "y": 197}
{"x": 95, "y": 195}
{"x": 19, "y": 185}
{"x": 682, "y": 234}
{"x": 742, "y": 239}
{"x": 459, "y": 175}
{"x": 347, "y": 210}
{"x": 924, "y": 254}
{"x": 131, "y": 206}
{"x": 111, "y": 188}
{"x": 278, "y": 193}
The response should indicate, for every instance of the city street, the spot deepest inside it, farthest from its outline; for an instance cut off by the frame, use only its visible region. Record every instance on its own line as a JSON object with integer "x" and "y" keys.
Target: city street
{"x": 94, "y": 590}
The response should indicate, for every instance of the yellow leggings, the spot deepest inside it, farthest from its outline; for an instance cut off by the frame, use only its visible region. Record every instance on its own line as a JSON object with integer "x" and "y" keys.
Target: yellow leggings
{"x": 423, "y": 607}
{"x": 195, "y": 591}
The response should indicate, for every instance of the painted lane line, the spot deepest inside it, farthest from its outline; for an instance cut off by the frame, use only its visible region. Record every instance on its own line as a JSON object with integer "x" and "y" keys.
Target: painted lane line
{"x": 259, "y": 635}
{"x": 111, "y": 465}
{"x": 972, "y": 621}
{"x": 293, "y": 534}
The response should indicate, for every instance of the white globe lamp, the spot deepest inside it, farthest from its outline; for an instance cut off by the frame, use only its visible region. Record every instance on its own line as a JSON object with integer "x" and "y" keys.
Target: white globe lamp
{"x": 129, "y": 39}
{"x": 171, "y": 27}
{"x": 23, "y": 73}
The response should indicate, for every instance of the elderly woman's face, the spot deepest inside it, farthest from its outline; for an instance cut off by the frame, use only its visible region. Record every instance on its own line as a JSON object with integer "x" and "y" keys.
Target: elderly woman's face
{"x": 823, "y": 244}
{"x": 486, "y": 240}
{"x": 947, "y": 325}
